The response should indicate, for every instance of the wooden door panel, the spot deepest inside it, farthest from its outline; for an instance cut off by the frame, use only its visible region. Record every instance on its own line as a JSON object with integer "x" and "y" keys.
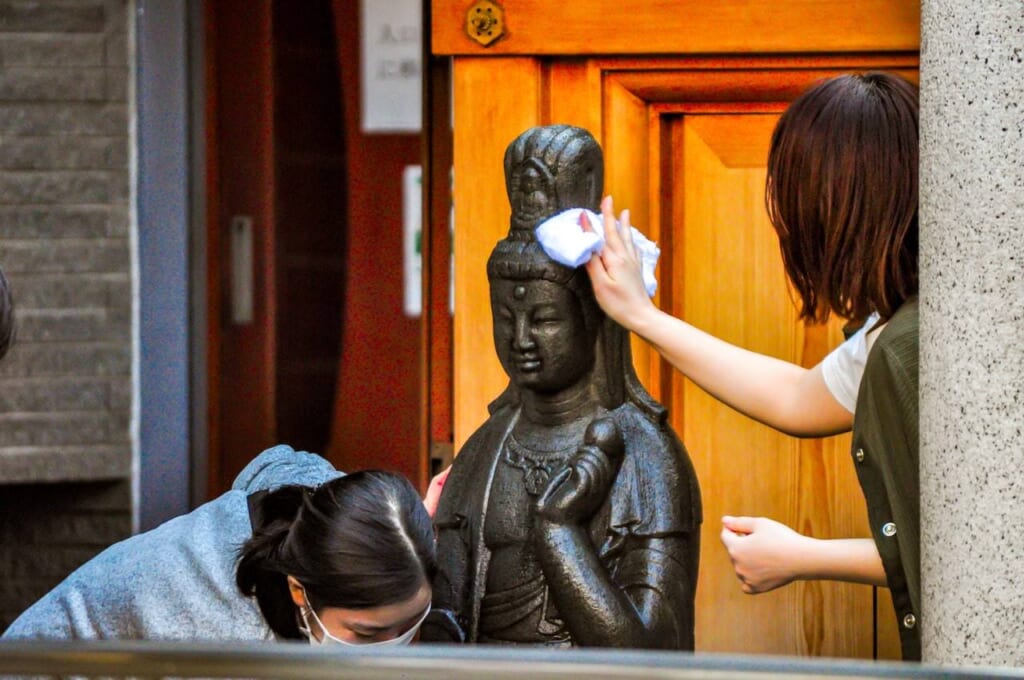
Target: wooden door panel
{"x": 629, "y": 139}
{"x": 241, "y": 180}
{"x": 732, "y": 284}
{"x": 482, "y": 217}
{"x": 571, "y": 88}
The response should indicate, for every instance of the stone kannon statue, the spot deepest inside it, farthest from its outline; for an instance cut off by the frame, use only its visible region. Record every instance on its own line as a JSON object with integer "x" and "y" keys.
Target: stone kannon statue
{"x": 572, "y": 515}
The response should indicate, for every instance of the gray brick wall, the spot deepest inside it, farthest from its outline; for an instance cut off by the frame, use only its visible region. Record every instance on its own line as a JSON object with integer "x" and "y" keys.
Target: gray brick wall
{"x": 65, "y": 389}
{"x": 48, "y": 530}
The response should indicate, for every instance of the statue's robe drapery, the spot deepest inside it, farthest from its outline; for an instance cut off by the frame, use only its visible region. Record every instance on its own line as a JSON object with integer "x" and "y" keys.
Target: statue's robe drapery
{"x": 654, "y": 496}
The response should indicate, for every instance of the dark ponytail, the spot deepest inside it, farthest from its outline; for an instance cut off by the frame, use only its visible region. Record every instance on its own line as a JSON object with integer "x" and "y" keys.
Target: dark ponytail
{"x": 258, "y": 571}
{"x": 357, "y": 542}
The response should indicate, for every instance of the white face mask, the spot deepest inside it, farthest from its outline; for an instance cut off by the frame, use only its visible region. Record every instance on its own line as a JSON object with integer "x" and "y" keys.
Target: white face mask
{"x": 328, "y": 639}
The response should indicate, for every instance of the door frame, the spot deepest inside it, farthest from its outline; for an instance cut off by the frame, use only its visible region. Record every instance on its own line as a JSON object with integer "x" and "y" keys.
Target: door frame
{"x": 163, "y": 411}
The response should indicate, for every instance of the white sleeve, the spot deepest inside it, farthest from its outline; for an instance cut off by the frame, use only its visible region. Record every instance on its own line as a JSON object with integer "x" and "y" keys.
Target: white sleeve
{"x": 843, "y": 367}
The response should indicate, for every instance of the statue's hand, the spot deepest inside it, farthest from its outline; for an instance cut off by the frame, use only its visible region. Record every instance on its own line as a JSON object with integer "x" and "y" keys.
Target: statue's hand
{"x": 576, "y": 492}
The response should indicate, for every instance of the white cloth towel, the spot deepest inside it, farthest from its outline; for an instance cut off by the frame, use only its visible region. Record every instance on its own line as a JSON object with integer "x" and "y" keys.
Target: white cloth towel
{"x": 564, "y": 240}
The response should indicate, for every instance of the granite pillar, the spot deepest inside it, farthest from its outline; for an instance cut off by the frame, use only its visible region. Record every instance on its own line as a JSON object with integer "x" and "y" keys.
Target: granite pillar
{"x": 972, "y": 331}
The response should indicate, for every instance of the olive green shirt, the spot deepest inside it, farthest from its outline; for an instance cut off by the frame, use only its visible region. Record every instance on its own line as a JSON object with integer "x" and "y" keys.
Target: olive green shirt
{"x": 885, "y": 453}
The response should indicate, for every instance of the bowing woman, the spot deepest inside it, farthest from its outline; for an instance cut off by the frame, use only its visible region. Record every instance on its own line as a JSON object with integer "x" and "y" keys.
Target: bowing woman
{"x": 294, "y": 551}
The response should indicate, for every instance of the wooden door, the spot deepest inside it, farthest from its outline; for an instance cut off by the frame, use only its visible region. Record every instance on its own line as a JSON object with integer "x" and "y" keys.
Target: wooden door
{"x": 731, "y": 283}
{"x": 685, "y": 141}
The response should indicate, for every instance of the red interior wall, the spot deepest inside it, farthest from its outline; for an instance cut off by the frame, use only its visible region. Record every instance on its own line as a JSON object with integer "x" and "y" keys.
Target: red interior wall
{"x": 377, "y": 403}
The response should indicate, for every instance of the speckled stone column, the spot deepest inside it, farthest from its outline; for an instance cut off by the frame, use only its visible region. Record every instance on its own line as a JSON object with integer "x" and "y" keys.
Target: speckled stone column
{"x": 972, "y": 331}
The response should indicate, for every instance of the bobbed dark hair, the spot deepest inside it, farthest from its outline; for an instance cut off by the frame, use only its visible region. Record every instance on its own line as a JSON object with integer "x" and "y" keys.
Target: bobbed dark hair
{"x": 842, "y": 194}
{"x": 360, "y": 541}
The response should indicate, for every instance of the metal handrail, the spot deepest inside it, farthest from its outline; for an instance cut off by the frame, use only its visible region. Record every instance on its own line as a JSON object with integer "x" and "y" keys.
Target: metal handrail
{"x": 436, "y": 662}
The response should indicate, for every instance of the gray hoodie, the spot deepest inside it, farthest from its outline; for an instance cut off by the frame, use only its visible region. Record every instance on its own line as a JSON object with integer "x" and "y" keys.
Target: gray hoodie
{"x": 176, "y": 582}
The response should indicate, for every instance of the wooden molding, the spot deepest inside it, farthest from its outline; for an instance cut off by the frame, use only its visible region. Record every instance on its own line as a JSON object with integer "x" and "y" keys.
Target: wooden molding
{"x": 652, "y": 27}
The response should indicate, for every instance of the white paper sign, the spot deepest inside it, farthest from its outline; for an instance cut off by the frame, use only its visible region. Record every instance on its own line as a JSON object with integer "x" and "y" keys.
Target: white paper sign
{"x": 392, "y": 65}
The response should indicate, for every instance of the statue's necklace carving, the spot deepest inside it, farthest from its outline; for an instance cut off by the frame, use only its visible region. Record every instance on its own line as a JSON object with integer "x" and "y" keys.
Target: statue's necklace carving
{"x": 537, "y": 466}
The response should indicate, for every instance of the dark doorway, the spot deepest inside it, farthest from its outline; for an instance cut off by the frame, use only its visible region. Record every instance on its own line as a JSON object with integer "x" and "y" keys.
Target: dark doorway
{"x": 276, "y": 190}
{"x": 311, "y": 202}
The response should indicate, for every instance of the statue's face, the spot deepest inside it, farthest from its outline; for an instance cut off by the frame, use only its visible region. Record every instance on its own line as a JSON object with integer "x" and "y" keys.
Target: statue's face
{"x": 540, "y": 334}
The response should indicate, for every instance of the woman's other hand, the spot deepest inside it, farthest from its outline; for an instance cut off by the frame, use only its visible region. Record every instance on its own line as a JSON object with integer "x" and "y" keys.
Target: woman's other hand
{"x": 765, "y": 554}
{"x": 434, "y": 490}
{"x": 616, "y": 273}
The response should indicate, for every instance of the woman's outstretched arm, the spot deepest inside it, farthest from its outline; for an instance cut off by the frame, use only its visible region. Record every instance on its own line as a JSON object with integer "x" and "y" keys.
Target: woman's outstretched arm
{"x": 788, "y": 397}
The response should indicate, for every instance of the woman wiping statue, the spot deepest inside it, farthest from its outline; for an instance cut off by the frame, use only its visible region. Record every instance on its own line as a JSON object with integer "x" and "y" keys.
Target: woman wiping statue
{"x": 572, "y": 515}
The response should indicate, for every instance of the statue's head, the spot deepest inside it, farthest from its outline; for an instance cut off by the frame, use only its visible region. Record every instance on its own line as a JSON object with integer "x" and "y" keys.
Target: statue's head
{"x": 550, "y": 169}
{"x": 545, "y": 316}
{"x": 549, "y": 331}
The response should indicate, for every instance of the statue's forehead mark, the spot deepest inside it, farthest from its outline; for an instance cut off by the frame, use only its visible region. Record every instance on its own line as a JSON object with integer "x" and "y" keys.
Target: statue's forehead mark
{"x": 519, "y": 292}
